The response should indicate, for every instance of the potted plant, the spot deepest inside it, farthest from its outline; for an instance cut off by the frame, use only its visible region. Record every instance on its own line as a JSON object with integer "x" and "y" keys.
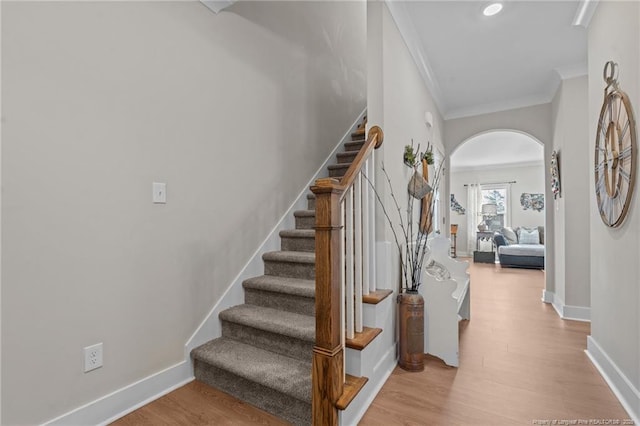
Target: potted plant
{"x": 414, "y": 251}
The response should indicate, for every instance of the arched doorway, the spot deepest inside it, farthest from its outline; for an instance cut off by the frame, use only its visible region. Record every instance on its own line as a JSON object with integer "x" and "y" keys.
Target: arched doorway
{"x": 501, "y": 168}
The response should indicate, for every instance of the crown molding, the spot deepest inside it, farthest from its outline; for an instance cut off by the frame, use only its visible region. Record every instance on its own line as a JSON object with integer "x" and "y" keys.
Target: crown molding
{"x": 572, "y": 71}
{"x": 584, "y": 13}
{"x": 507, "y": 105}
{"x": 538, "y": 163}
{"x": 407, "y": 30}
{"x": 217, "y": 5}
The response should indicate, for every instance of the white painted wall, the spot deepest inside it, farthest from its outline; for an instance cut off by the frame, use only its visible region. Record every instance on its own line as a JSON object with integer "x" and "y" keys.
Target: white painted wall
{"x": 534, "y": 121}
{"x": 235, "y": 111}
{"x": 615, "y": 253}
{"x": 572, "y": 231}
{"x": 528, "y": 179}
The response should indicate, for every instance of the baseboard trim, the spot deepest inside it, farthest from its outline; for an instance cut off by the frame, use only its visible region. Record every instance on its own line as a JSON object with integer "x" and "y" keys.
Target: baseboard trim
{"x": 101, "y": 411}
{"x": 547, "y": 296}
{"x": 576, "y": 313}
{"x": 566, "y": 312}
{"x": 121, "y": 402}
{"x": 210, "y": 328}
{"x": 363, "y": 401}
{"x": 621, "y": 386}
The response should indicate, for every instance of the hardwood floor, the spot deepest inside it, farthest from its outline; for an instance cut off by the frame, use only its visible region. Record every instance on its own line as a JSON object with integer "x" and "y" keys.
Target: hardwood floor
{"x": 519, "y": 362}
{"x": 197, "y": 404}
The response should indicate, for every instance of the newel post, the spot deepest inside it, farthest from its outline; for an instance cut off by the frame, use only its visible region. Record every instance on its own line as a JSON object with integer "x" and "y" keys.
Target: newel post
{"x": 328, "y": 353}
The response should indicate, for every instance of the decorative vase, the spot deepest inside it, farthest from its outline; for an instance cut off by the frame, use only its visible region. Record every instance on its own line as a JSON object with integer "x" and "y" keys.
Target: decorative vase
{"x": 411, "y": 314}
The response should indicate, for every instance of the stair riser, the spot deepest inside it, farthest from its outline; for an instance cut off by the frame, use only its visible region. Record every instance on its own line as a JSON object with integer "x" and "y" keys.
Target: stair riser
{"x": 285, "y": 302}
{"x": 353, "y": 146}
{"x": 298, "y": 244}
{"x": 311, "y": 203}
{"x": 295, "y": 411}
{"x": 305, "y": 271}
{"x": 347, "y": 158}
{"x": 338, "y": 172}
{"x": 278, "y": 343}
{"x": 305, "y": 222}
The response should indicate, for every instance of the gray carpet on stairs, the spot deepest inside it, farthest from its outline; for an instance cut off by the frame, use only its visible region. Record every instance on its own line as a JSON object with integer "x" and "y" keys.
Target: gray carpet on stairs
{"x": 264, "y": 354}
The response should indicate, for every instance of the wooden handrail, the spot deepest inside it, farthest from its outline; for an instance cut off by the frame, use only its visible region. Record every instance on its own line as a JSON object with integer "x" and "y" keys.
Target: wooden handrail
{"x": 328, "y": 352}
{"x": 374, "y": 141}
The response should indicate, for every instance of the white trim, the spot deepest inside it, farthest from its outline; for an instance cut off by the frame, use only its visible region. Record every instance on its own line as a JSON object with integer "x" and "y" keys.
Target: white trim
{"x": 217, "y": 5}
{"x": 365, "y": 397}
{"x": 210, "y": 327}
{"x": 566, "y": 312}
{"x": 576, "y": 313}
{"x": 572, "y": 71}
{"x": 498, "y": 166}
{"x": 121, "y": 402}
{"x": 524, "y": 102}
{"x": 101, "y": 411}
{"x": 407, "y": 30}
{"x": 620, "y": 384}
{"x": 547, "y": 296}
{"x": 584, "y": 13}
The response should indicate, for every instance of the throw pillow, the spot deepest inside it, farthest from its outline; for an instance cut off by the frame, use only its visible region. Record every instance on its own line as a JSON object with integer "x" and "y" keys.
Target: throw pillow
{"x": 529, "y": 236}
{"x": 541, "y": 232}
{"x": 509, "y": 235}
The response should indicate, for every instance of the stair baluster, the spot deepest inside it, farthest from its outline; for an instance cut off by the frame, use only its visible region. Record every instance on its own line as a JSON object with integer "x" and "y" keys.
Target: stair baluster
{"x": 340, "y": 204}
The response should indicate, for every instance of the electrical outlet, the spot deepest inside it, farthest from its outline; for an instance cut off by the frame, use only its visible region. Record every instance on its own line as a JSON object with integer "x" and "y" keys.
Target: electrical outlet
{"x": 92, "y": 357}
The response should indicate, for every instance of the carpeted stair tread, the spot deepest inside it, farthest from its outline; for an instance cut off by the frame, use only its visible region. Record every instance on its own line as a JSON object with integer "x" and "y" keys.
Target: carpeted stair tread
{"x": 290, "y": 257}
{"x": 284, "y": 285}
{"x": 353, "y": 146}
{"x": 304, "y": 213}
{"x": 341, "y": 166}
{"x": 298, "y": 233}
{"x": 298, "y": 326}
{"x": 281, "y": 373}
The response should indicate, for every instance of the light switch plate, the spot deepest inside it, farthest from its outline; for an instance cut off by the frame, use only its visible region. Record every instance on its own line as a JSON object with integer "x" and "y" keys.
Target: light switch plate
{"x": 159, "y": 192}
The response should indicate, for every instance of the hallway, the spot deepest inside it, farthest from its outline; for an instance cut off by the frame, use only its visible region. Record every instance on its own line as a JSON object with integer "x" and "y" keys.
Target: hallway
{"x": 519, "y": 364}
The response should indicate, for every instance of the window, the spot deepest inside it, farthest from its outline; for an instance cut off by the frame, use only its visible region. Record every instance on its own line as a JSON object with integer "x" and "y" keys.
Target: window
{"x": 498, "y": 195}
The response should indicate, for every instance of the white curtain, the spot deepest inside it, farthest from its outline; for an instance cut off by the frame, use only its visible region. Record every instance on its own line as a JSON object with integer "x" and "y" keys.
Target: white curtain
{"x": 507, "y": 203}
{"x": 473, "y": 218}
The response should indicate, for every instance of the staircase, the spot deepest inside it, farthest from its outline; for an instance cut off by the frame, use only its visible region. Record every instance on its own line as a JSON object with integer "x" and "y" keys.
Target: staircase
{"x": 264, "y": 356}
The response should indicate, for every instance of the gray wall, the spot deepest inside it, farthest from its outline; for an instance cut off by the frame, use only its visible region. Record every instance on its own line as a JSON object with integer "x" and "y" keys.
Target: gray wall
{"x": 572, "y": 232}
{"x": 615, "y": 253}
{"x": 401, "y": 111}
{"x": 536, "y": 122}
{"x": 235, "y": 112}
{"x": 528, "y": 179}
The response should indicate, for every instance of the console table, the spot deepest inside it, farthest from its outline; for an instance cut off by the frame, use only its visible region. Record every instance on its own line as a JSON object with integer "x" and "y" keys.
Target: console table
{"x": 480, "y": 256}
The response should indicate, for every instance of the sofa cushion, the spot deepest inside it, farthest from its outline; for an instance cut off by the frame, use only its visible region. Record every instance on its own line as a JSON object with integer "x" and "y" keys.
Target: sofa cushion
{"x": 500, "y": 240}
{"x": 510, "y": 235}
{"x": 522, "y": 250}
{"x": 528, "y": 236}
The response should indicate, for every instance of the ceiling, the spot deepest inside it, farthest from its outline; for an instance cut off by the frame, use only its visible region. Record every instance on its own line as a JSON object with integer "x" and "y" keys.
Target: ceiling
{"x": 474, "y": 64}
{"x": 497, "y": 149}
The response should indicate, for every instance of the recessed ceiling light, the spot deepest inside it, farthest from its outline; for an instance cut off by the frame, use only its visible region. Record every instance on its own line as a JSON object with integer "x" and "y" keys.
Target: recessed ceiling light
{"x": 492, "y": 9}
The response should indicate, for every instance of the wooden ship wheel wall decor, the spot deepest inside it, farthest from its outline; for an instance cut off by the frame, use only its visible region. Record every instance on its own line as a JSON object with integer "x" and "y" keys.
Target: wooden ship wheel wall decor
{"x": 615, "y": 152}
